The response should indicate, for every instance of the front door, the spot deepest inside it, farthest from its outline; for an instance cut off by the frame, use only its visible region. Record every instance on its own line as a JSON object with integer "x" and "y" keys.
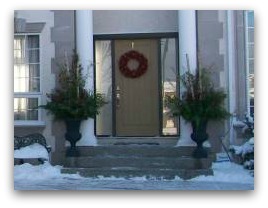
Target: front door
{"x": 137, "y": 93}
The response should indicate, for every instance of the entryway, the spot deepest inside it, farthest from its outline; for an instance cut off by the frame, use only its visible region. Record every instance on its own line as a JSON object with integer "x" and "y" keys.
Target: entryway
{"x": 137, "y": 97}
{"x": 135, "y": 73}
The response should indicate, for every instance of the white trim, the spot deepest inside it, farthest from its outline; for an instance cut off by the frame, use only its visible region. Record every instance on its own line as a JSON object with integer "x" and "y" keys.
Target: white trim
{"x": 187, "y": 45}
{"x": 247, "y": 63}
{"x": 29, "y": 123}
{"x": 40, "y": 67}
{"x": 84, "y": 46}
{"x": 25, "y": 94}
{"x": 187, "y": 39}
{"x": 247, "y": 58}
{"x": 231, "y": 69}
{"x": 27, "y": 33}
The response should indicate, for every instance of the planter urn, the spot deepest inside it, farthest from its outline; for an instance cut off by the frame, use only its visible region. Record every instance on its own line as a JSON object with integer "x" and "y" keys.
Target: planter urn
{"x": 199, "y": 136}
{"x": 72, "y": 135}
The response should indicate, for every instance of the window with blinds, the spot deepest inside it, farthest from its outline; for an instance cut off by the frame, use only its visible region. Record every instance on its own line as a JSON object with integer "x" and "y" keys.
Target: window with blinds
{"x": 26, "y": 77}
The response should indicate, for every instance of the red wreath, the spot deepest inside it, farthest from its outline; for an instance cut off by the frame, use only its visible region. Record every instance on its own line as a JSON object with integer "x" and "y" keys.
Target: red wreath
{"x": 130, "y": 55}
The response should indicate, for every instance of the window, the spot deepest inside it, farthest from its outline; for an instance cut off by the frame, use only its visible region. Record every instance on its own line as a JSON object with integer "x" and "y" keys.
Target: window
{"x": 249, "y": 23}
{"x": 169, "y": 83}
{"x": 25, "y": 108}
{"x": 103, "y": 60}
{"x": 26, "y": 78}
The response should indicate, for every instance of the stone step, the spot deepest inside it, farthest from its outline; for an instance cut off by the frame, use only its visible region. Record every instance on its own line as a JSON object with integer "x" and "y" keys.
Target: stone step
{"x": 136, "y": 151}
{"x": 138, "y": 162}
{"x": 148, "y": 173}
{"x": 152, "y": 141}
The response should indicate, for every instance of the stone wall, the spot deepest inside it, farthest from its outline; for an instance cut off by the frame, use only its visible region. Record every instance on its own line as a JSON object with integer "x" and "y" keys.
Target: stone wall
{"x": 210, "y": 30}
{"x": 63, "y": 36}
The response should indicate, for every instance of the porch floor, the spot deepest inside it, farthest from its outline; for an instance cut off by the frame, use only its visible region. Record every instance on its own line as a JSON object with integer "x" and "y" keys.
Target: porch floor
{"x": 140, "y": 141}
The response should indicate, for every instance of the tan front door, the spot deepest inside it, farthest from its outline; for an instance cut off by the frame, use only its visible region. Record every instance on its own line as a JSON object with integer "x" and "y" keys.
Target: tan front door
{"x": 137, "y": 99}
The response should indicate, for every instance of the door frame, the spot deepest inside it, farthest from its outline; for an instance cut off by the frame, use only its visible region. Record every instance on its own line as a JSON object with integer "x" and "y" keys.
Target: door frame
{"x": 129, "y": 36}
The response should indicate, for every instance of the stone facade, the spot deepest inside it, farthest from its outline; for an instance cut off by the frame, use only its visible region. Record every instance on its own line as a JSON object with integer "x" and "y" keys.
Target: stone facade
{"x": 57, "y": 30}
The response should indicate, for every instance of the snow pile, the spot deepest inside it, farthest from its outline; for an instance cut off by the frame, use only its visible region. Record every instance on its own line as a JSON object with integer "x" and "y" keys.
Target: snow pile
{"x": 30, "y": 172}
{"x": 244, "y": 154}
{"x": 246, "y": 148}
{"x": 227, "y": 172}
{"x": 113, "y": 178}
{"x": 246, "y": 125}
{"x": 238, "y": 124}
{"x": 223, "y": 172}
{"x": 45, "y": 171}
{"x": 32, "y": 151}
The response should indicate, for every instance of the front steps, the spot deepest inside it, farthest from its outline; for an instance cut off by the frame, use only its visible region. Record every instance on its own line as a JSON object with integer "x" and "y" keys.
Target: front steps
{"x": 128, "y": 161}
{"x": 152, "y": 141}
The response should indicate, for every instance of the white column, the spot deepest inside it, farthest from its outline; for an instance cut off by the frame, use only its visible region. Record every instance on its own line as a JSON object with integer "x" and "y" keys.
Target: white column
{"x": 231, "y": 70}
{"x": 187, "y": 45}
{"x": 84, "y": 47}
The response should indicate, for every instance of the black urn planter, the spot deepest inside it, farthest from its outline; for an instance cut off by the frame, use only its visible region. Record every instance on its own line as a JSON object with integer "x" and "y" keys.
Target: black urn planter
{"x": 199, "y": 135}
{"x": 72, "y": 135}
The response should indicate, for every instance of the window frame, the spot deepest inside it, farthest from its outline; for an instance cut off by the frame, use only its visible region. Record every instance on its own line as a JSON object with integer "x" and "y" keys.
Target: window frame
{"x": 127, "y": 36}
{"x": 39, "y": 121}
{"x": 248, "y": 59}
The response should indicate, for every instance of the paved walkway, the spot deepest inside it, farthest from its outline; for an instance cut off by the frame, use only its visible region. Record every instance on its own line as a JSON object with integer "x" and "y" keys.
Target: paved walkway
{"x": 93, "y": 184}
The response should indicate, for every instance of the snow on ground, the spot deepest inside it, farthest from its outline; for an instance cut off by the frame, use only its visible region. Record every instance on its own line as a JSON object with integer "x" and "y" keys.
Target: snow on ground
{"x": 223, "y": 172}
{"x": 227, "y": 172}
{"x": 227, "y": 176}
{"x": 45, "y": 171}
{"x": 46, "y": 177}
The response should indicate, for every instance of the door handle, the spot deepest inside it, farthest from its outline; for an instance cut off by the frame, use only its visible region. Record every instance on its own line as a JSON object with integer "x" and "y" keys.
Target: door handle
{"x": 117, "y": 95}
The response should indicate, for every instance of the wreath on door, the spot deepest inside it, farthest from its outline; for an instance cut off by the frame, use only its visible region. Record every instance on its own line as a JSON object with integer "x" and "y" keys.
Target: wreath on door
{"x": 124, "y": 64}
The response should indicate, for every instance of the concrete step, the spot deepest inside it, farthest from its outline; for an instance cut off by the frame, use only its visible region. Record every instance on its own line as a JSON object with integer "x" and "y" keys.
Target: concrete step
{"x": 148, "y": 173}
{"x": 136, "y": 151}
{"x": 152, "y": 141}
{"x": 138, "y": 162}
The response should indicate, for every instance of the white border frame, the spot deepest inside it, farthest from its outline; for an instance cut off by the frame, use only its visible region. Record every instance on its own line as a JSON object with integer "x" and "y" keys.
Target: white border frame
{"x": 37, "y": 95}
